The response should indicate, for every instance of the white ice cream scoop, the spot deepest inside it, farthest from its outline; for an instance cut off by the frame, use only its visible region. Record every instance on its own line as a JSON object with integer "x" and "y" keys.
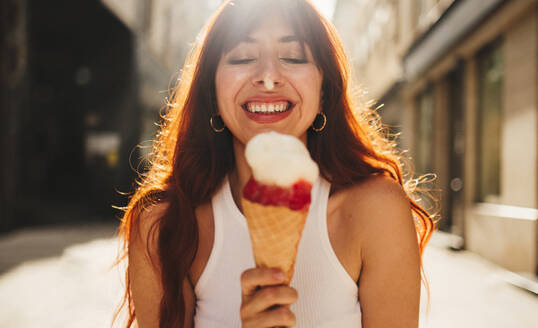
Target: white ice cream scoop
{"x": 279, "y": 159}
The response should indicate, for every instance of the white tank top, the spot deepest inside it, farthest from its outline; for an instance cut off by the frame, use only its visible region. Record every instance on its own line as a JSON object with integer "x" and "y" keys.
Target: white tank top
{"x": 328, "y": 296}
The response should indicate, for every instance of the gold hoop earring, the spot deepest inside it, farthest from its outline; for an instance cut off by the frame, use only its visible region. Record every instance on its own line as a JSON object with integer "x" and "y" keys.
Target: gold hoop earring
{"x": 212, "y": 123}
{"x": 316, "y": 125}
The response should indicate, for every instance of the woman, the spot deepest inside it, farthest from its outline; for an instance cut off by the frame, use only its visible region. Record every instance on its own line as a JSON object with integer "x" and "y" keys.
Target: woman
{"x": 259, "y": 66}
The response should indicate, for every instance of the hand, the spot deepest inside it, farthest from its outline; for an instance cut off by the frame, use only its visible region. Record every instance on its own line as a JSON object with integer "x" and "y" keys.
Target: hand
{"x": 265, "y": 300}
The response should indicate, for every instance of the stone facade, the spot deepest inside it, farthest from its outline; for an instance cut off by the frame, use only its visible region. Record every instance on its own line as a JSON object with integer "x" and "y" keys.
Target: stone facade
{"x": 446, "y": 51}
{"x": 165, "y": 31}
{"x": 166, "y": 27}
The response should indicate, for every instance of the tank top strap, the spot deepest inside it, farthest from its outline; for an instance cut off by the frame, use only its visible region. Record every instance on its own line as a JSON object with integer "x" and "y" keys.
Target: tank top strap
{"x": 316, "y": 234}
{"x": 343, "y": 275}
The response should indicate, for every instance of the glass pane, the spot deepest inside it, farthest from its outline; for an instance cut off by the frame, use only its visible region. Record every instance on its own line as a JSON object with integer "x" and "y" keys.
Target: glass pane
{"x": 490, "y": 79}
{"x": 425, "y": 122}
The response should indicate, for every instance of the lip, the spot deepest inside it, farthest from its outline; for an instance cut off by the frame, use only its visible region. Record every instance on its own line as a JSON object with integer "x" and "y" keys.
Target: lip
{"x": 268, "y": 98}
{"x": 268, "y": 117}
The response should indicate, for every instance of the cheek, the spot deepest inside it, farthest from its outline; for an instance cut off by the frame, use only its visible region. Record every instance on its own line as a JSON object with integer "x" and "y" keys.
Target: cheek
{"x": 310, "y": 86}
{"x": 220, "y": 83}
{"x": 228, "y": 82}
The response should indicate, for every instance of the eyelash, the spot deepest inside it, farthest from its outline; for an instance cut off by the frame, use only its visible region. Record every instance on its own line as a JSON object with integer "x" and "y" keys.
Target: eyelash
{"x": 295, "y": 60}
{"x": 247, "y": 61}
{"x": 240, "y": 61}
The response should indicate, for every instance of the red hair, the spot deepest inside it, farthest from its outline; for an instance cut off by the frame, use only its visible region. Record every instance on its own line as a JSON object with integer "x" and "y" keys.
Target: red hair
{"x": 189, "y": 161}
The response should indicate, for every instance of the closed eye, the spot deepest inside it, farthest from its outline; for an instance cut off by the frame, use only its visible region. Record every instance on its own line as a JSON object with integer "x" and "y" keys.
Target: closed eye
{"x": 240, "y": 61}
{"x": 295, "y": 60}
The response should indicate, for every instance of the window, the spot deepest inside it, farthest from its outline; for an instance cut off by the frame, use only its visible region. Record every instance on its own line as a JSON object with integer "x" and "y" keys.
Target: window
{"x": 490, "y": 87}
{"x": 424, "y": 123}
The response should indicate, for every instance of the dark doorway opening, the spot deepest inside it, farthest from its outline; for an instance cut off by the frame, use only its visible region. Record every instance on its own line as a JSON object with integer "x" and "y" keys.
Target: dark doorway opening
{"x": 82, "y": 116}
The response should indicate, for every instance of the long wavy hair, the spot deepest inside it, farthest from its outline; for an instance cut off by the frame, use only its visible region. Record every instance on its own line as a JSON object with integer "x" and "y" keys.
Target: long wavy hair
{"x": 189, "y": 161}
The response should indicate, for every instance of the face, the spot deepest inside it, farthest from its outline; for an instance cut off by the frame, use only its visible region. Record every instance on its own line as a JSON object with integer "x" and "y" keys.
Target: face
{"x": 268, "y": 82}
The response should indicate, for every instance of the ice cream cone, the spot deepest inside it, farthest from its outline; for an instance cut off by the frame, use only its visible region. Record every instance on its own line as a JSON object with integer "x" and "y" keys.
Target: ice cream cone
{"x": 275, "y": 232}
{"x": 277, "y": 197}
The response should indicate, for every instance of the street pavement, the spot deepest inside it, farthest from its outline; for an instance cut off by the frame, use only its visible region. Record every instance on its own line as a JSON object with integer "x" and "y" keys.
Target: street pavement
{"x": 62, "y": 277}
{"x": 469, "y": 291}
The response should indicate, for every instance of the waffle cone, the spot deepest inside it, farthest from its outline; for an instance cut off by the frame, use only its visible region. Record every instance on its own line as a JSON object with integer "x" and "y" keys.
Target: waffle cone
{"x": 275, "y": 232}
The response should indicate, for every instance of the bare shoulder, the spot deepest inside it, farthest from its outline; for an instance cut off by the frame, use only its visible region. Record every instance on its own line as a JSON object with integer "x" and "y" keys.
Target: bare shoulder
{"x": 379, "y": 210}
{"x": 380, "y": 216}
{"x": 389, "y": 279}
{"x": 378, "y": 196}
{"x": 151, "y": 213}
{"x": 145, "y": 222}
{"x": 145, "y": 231}
{"x": 144, "y": 268}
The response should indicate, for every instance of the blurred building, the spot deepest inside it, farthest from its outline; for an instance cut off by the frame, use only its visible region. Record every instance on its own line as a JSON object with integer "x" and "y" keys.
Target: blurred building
{"x": 83, "y": 84}
{"x": 459, "y": 78}
{"x": 70, "y": 111}
{"x": 164, "y": 31}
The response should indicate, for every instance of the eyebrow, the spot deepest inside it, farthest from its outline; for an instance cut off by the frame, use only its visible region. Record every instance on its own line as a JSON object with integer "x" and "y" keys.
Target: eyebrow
{"x": 284, "y": 39}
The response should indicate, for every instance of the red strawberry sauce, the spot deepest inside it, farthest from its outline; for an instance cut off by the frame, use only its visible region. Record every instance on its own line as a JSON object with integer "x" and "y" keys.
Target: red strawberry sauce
{"x": 296, "y": 197}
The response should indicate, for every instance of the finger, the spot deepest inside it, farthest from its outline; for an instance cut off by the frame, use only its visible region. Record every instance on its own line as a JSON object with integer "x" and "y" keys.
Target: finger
{"x": 268, "y": 297}
{"x": 278, "y": 317}
{"x": 255, "y": 277}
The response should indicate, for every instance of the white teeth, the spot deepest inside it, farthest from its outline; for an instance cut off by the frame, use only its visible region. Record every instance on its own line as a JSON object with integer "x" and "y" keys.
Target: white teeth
{"x": 267, "y": 107}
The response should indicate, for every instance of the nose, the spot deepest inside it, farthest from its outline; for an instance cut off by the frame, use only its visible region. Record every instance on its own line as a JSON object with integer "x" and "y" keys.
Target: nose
{"x": 268, "y": 76}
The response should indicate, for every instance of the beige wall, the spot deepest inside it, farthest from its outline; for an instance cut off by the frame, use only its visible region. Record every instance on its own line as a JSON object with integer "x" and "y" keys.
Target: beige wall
{"x": 377, "y": 34}
{"x": 173, "y": 28}
{"x": 167, "y": 27}
{"x": 369, "y": 31}
{"x": 519, "y": 139}
{"x": 507, "y": 233}
{"x": 507, "y": 241}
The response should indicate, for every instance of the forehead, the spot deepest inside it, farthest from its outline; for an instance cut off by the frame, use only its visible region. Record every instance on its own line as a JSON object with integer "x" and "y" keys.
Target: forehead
{"x": 259, "y": 26}
{"x": 272, "y": 27}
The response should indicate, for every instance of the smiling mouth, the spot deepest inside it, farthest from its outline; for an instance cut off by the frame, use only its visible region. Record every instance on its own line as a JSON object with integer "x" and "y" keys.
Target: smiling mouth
{"x": 267, "y": 108}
